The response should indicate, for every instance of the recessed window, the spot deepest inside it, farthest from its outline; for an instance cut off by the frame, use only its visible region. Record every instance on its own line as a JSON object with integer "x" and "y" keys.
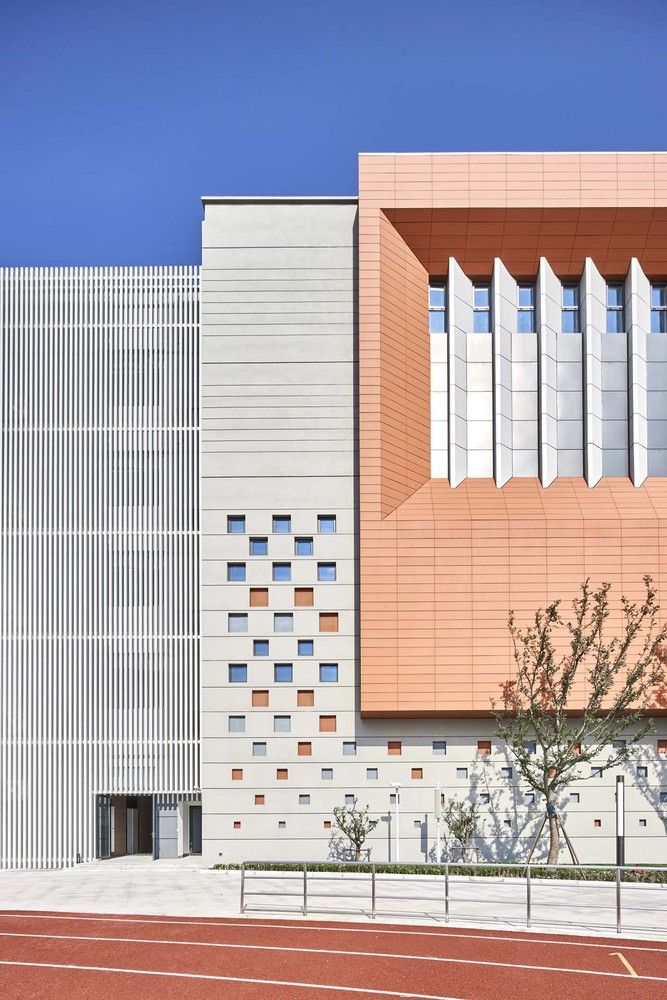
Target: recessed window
{"x": 282, "y": 524}
{"x": 281, "y": 572}
{"x": 260, "y": 800}
{"x": 328, "y": 673}
{"x": 303, "y": 546}
{"x": 282, "y": 825}
{"x": 282, "y": 774}
{"x": 596, "y": 772}
{"x": 260, "y": 699}
{"x": 484, "y": 798}
{"x": 236, "y": 724}
{"x": 484, "y": 747}
{"x": 658, "y": 308}
{"x": 663, "y": 797}
{"x": 303, "y": 597}
{"x": 506, "y": 772}
{"x": 642, "y": 772}
{"x": 237, "y": 824}
{"x": 642, "y": 822}
{"x": 619, "y": 744}
{"x": 525, "y": 317}
{"x": 237, "y": 622}
{"x": 529, "y": 798}
{"x": 259, "y": 546}
{"x": 327, "y": 774}
{"x": 326, "y": 524}
{"x": 283, "y": 622}
{"x": 235, "y": 524}
{"x": 282, "y": 673}
{"x": 615, "y": 309}
{"x": 304, "y": 749}
{"x": 304, "y": 800}
{"x": 439, "y": 748}
{"x": 349, "y": 800}
{"x": 416, "y": 773}
{"x": 349, "y": 748}
{"x": 236, "y": 572}
{"x": 305, "y": 647}
{"x": 575, "y": 797}
{"x": 260, "y": 647}
{"x": 661, "y": 747}
{"x": 530, "y": 746}
{"x": 327, "y": 824}
{"x": 392, "y": 798}
{"x": 570, "y": 309}
{"x": 507, "y": 822}
{"x": 597, "y": 823}
{"x": 482, "y": 309}
{"x": 238, "y": 673}
{"x": 259, "y": 597}
{"x": 417, "y": 823}
{"x": 237, "y": 774}
{"x": 371, "y": 774}
{"x": 305, "y": 699}
{"x": 326, "y": 572}
{"x": 327, "y": 723}
{"x": 328, "y": 621}
{"x": 437, "y": 308}
{"x": 394, "y": 748}
{"x": 259, "y": 749}
{"x": 461, "y": 772}
{"x": 282, "y": 723}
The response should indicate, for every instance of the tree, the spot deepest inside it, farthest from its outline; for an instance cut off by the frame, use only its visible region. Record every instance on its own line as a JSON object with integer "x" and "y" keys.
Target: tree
{"x": 548, "y": 732}
{"x": 461, "y": 821}
{"x": 355, "y": 824}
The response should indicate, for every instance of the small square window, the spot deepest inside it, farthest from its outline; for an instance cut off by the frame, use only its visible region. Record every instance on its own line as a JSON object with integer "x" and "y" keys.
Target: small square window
{"x": 282, "y": 724}
{"x": 327, "y": 774}
{"x": 303, "y": 597}
{"x": 237, "y": 774}
{"x": 662, "y": 747}
{"x": 349, "y": 800}
{"x": 596, "y": 772}
{"x": 439, "y": 748}
{"x": 281, "y": 572}
{"x": 237, "y": 622}
{"x": 507, "y": 822}
{"x": 619, "y": 744}
{"x": 303, "y": 546}
{"x": 597, "y": 823}
{"x": 259, "y": 749}
{"x": 484, "y": 747}
{"x": 416, "y": 773}
{"x": 282, "y": 673}
{"x": 326, "y": 524}
{"x": 282, "y": 825}
{"x": 575, "y": 797}
{"x": 237, "y": 824}
{"x": 282, "y": 774}
{"x": 525, "y": 320}
{"x": 259, "y": 597}
{"x": 236, "y": 724}
{"x": 642, "y": 772}
{"x": 663, "y": 797}
{"x": 328, "y": 621}
{"x": 658, "y": 308}
{"x": 417, "y": 823}
{"x": 392, "y": 798}
{"x": 530, "y": 746}
{"x": 236, "y": 572}
{"x": 235, "y": 524}
{"x": 327, "y": 824}
{"x": 327, "y": 723}
{"x": 305, "y": 647}
{"x": 283, "y": 621}
{"x": 304, "y": 749}
{"x": 260, "y": 699}
{"x": 529, "y": 798}
{"x": 326, "y": 572}
{"x": 481, "y": 309}
{"x": 328, "y": 673}
{"x": 394, "y": 748}
{"x": 260, "y": 647}
{"x": 570, "y": 309}
{"x": 260, "y": 800}
{"x": 304, "y": 800}
{"x": 238, "y": 673}
{"x": 349, "y": 748}
{"x": 642, "y": 822}
{"x": 484, "y": 798}
{"x": 506, "y": 772}
{"x": 371, "y": 774}
{"x": 282, "y": 524}
{"x": 305, "y": 699}
{"x": 461, "y": 772}
{"x": 259, "y": 546}
{"x": 615, "y": 309}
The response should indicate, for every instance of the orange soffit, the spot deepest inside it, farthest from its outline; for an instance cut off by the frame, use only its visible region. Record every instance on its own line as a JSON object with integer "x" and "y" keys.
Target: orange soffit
{"x": 441, "y": 567}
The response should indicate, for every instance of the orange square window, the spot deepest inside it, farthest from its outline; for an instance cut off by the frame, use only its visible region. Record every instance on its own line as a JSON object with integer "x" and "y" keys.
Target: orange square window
{"x": 259, "y": 597}
{"x": 484, "y": 747}
{"x": 394, "y": 748}
{"x": 328, "y": 621}
{"x": 597, "y": 822}
{"x": 306, "y": 699}
{"x": 303, "y": 597}
{"x": 305, "y": 749}
{"x": 576, "y": 749}
{"x": 327, "y": 824}
{"x": 237, "y": 774}
{"x": 327, "y": 723}
{"x": 260, "y": 800}
{"x": 417, "y": 772}
{"x": 662, "y": 746}
{"x": 260, "y": 699}
{"x": 281, "y": 774}
{"x": 237, "y": 824}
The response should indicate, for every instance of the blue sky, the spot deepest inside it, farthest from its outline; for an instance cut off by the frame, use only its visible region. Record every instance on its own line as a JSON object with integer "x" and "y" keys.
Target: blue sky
{"x": 115, "y": 116}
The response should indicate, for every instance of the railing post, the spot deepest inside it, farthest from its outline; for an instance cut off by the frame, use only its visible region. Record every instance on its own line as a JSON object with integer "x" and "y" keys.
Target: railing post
{"x": 373, "y": 891}
{"x": 243, "y": 887}
{"x": 446, "y": 892}
{"x": 618, "y": 900}
{"x": 528, "y": 899}
{"x": 305, "y": 889}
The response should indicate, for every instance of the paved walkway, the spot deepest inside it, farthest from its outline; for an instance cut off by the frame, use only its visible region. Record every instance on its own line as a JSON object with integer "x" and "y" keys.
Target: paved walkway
{"x": 183, "y": 888}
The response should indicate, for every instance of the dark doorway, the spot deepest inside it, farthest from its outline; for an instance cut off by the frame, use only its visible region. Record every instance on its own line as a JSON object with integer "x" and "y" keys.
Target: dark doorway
{"x": 131, "y": 824}
{"x": 103, "y": 827}
{"x": 195, "y": 829}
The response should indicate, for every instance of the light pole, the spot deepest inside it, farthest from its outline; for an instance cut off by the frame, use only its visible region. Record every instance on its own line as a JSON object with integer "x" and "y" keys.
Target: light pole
{"x": 620, "y": 820}
{"x": 396, "y": 785}
{"x": 437, "y": 805}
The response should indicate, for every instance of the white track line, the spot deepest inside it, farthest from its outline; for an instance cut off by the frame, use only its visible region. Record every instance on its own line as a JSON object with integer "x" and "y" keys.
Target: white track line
{"x": 233, "y": 979}
{"x": 330, "y": 951}
{"x": 351, "y": 928}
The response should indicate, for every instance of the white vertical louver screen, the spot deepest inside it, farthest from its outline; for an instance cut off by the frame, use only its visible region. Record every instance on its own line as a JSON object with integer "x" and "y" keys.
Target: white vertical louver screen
{"x": 98, "y": 548}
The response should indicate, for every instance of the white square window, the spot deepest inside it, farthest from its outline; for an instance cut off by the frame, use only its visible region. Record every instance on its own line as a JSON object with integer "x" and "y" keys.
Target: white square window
{"x": 575, "y": 797}
{"x": 530, "y": 798}
{"x": 461, "y": 772}
{"x": 642, "y": 822}
{"x": 506, "y": 772}
{"x": 371, "y": 774}
{"x": 282, "y": 825}
{"x": 259, "y": 749}
{"x": 282, "y": 723}
{"x": 283, "y": 621}
{"x": 304, "y": 800}
{"x": 237, "y": 622}
{"x": 236, "y": 724}
{"x": 349, "y": 800}
{"x": 484, "y": 798}
{"x": 642, "y": 772}
{"x": 327, "y": 774}
{"x": 349, "y": 748}
{"x": 439, "y": 748}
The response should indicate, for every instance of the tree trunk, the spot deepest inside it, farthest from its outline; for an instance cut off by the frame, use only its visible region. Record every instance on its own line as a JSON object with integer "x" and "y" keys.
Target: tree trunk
{"x": 357, "y": 852}
{"x": 554, "y": 837}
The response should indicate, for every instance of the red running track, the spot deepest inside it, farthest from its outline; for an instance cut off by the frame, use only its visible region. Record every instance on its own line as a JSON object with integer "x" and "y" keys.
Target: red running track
{"x": 49, "y": 956}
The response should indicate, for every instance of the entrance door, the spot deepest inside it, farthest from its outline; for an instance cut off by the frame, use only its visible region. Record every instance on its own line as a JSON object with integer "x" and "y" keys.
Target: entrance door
{"x": 195, "y": 829}
{"x": 103, "y": 824}
{"x": 132, "y": 828}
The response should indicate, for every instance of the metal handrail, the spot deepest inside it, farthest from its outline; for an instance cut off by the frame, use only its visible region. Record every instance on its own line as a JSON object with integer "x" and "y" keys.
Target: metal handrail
{"x": 370, "y": 870}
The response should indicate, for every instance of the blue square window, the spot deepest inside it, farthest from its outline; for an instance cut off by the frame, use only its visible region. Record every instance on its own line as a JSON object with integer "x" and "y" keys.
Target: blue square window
{"x": 326, "y": 572}
{"x": 306, "y": 647}
{"x": 260, "y": 647}
{"x": 282, "y": 572}
{"x": 259, "y": 546}
{"x": 236, "y": 572}
{"x": 328, "y": 672}
{"x": 235, "y": 524}
{"x": 238, "y": 673}
{"x": 282, "y": 524}
{"x": 303, "y": 546}
{"x": 282, "y": 673}
{"x": 326, "y": 524}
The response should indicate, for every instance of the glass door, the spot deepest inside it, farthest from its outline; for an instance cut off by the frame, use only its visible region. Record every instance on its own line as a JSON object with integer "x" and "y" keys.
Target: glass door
{"x": 195, "y": 829}
{"x": 103, "y": 839}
